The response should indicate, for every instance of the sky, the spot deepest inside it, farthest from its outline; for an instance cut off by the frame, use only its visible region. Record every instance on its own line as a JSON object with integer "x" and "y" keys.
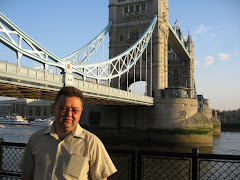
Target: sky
{"x": 63, "y": 27}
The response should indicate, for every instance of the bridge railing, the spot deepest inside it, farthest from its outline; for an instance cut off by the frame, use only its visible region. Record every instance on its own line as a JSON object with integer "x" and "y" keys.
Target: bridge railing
{"x": 14, "y": 69}
{"x": 144, "y": 165}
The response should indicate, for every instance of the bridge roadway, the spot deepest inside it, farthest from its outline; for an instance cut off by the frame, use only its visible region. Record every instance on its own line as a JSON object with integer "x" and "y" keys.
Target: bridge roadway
{"x": 23, "y": 82}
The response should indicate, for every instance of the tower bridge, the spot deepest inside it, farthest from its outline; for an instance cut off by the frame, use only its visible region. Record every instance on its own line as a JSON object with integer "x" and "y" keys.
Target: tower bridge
{"x": 143, "y": 47}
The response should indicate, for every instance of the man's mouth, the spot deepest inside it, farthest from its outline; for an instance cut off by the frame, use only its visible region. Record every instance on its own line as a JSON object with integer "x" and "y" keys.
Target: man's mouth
{"x": 67, "y": 120}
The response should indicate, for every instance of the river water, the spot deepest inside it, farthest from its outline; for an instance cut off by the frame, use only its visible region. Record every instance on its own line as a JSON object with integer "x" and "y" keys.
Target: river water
{"x": 226, "y": 143}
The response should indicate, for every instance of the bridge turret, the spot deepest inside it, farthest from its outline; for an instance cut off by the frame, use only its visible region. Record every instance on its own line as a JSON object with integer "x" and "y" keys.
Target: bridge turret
{"x": 190, "y": 46}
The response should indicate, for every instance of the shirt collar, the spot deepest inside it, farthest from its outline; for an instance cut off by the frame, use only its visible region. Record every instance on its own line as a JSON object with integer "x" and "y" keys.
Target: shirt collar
{"x": 78, "y": 132}
{"x": 50, "y": 129}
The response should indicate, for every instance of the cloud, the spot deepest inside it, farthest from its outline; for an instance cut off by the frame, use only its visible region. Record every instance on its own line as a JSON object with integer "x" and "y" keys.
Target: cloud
{"x": 202, "y": 29}
{"x": 197, "y": 62}
{"x": 194, "y": 38}
{"x": 213, "y": 35}
{"x": 208, "y": 60}
{"x": 223, "y": 56}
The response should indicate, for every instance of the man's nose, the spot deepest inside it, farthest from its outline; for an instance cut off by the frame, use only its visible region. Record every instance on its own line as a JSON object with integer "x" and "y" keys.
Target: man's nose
{"x": 69, "y": 112}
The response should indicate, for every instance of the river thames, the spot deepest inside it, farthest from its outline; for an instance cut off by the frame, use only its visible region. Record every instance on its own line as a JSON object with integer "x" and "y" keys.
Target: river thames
{"x": 226, "y": 143}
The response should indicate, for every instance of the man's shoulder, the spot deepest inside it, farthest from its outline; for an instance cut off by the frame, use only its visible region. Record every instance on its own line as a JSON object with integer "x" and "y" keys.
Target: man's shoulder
{"x": 41, "y": 131}
{"x": 89, "y": 136}
{"x": 38, "y": 133}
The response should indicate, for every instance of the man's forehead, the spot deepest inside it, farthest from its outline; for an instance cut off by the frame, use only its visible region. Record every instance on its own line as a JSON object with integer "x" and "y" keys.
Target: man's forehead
{"x": 67, "y": 98}
{"x": 69, "y": 101}
{"x": 75, "y": 107}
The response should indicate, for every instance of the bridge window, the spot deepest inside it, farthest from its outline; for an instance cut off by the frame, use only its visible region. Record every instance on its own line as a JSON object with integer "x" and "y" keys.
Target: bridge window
{"x": 121, "y": 1}
{"x": 121, "y": 38}
{"x": 137, "y": 7}
{"x": 131, "y": 8}
{"x": 134, "y": 7}
{"x": 125, "y": 9}
{"x": 134, "y": 35}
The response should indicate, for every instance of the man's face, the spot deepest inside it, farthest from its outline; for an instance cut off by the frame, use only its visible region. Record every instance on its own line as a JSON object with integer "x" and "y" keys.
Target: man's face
{"x": 67, "y": 112}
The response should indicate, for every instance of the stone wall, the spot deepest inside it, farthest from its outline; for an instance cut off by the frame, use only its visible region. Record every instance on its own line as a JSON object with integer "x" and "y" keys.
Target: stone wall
{"x": 168, "y": 112}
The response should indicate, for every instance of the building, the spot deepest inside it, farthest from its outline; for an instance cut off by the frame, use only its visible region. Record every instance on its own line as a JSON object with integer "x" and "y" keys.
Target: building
{"x": 28, "y": 108}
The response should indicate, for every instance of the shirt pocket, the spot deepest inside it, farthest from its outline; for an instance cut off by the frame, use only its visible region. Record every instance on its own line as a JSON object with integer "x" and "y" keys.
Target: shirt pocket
{"x": 76, "y": 165}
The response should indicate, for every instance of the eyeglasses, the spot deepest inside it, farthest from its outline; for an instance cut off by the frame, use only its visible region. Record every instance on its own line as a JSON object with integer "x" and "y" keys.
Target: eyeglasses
{"x": 74, "y": 110}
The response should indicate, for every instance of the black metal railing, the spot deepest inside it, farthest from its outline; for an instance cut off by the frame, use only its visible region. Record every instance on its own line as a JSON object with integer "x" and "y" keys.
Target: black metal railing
{"x": 125, "y": 163}
{"x": 144, "y": 165}
{"x": 10, "y": 154}
{"x": 213, "y": 166}
{"x": 163, "y": 166}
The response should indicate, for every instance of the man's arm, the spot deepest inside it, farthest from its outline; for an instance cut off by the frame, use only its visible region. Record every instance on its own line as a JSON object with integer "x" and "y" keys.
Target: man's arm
{"x": 104, "y": 179}
{"x": 27, "y": 177}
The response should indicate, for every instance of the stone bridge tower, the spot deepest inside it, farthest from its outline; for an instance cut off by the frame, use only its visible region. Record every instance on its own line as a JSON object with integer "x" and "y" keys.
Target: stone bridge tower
{"x": 130, "y": 19}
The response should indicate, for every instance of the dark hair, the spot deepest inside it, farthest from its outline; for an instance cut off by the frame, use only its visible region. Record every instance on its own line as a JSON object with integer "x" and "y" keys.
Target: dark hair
{"x": 69, "y": 91}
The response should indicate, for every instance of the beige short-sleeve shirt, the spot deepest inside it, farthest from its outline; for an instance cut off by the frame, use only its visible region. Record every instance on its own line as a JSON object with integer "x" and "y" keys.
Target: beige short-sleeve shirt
{"x": 80, "y": 155}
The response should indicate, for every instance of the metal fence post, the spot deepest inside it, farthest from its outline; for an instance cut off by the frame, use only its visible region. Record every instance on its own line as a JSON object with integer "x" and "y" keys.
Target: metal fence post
{"x": 1, "y": 154}
{"x": 195, "y": 152}
{"x": 139, "y": 165}
{"x": 133, "y": 165}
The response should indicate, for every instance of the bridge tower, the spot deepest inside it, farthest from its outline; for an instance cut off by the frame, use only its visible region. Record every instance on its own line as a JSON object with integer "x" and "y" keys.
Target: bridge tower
{"x": 130, "y": 20}
{"x": 172, "y": 117}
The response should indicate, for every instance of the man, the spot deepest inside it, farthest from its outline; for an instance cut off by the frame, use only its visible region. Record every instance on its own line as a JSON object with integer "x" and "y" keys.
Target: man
{"x": 65, "y": 150}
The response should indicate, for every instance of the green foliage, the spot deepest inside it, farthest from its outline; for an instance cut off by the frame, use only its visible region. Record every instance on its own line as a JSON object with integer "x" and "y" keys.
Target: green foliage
{"x": 194, "y": 131}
